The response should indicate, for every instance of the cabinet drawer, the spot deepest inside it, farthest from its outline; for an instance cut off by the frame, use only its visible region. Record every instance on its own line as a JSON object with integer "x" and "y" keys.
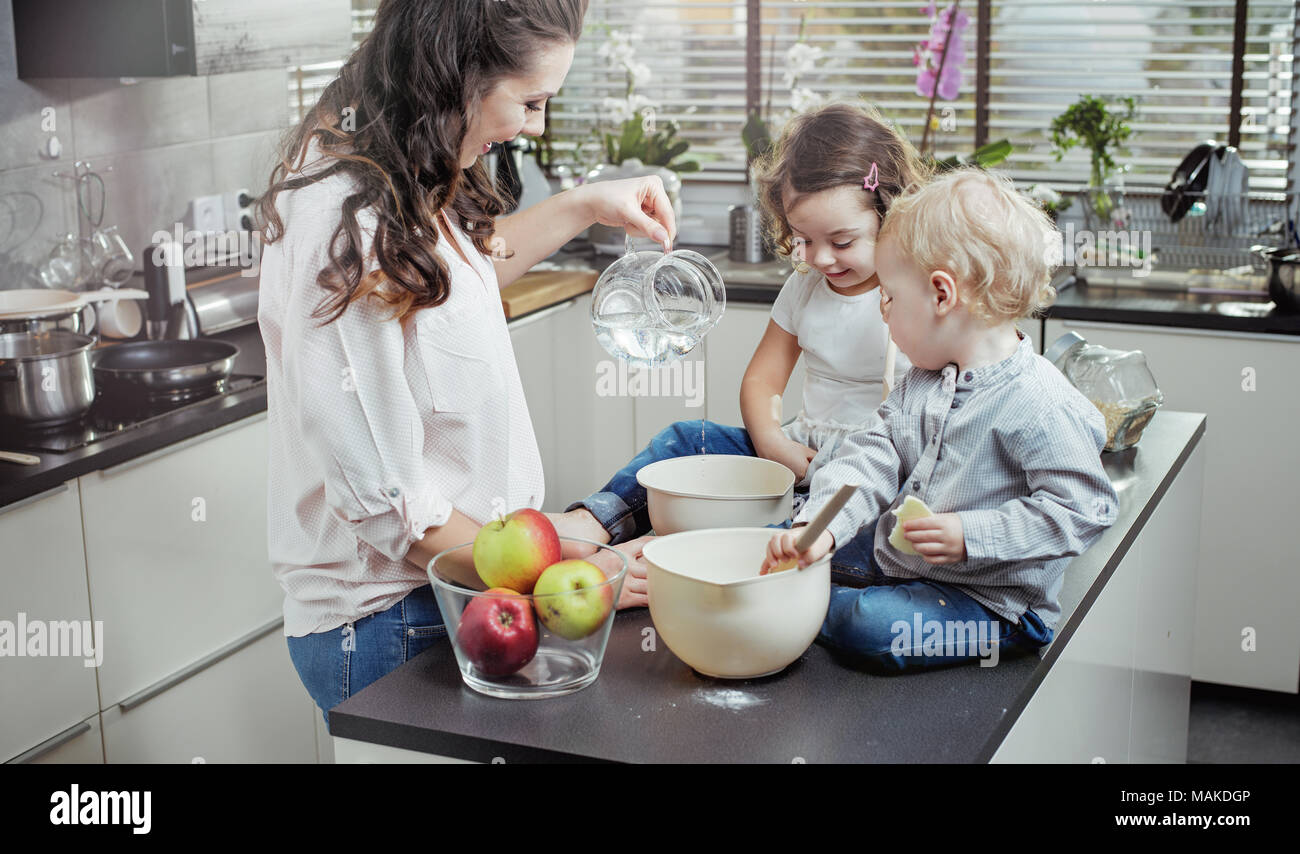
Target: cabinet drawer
{"x": 250, "y": 707}
{"x": 176, "y": 555}
{"x": 43, "y": 577}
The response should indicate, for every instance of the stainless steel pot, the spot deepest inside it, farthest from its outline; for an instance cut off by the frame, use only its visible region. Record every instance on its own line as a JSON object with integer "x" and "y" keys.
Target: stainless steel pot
{"x": 80, "y": 321}
{"x": 47, "y": 377}
{"x": 1283, "y": 277}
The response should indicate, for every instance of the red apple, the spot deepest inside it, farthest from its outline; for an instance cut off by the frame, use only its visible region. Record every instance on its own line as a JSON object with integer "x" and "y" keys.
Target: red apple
{"x": 512, "y": 552}
{"x": 572, "y": 598}
{"x": 497, "y": 632}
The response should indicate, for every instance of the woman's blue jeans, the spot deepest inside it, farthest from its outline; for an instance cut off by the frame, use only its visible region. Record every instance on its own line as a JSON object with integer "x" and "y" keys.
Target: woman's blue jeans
{"x": 336, "y": 664}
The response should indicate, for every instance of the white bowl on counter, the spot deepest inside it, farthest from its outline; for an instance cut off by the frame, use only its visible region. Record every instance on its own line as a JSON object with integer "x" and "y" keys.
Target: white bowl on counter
{"x": 716, "y": 491}
{"x": 717, "y": 614}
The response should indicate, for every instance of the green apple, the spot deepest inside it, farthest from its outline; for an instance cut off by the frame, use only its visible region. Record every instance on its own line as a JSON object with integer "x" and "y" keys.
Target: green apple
{"x": 512, "y": 552}
{"x": 572, "y": 598}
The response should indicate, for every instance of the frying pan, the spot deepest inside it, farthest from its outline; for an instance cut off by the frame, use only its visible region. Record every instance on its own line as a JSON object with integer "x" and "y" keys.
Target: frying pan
{"x": 1189, "y": 181}
{"x": 156, "y": 368}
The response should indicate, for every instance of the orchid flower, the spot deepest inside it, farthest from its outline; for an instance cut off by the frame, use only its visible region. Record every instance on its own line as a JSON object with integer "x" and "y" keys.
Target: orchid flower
{"x": 945, "y": 29}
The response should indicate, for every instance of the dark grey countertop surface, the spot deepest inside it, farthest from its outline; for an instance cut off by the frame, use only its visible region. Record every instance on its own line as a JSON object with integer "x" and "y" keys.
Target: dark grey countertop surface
{"x": 650, "y": 707}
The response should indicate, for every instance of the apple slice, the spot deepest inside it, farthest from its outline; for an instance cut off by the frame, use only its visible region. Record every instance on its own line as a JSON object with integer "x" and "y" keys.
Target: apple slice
{"x": 911, "y": 508}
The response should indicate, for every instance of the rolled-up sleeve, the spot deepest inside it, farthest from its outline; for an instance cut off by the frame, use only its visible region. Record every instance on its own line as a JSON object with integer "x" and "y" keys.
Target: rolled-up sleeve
{"x": 358, "y": 419}
{"x": 1071, "y": 501}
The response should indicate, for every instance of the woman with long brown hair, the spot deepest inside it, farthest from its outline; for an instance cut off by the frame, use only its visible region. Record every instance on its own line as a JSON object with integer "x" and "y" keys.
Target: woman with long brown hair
{"x": 397, "y": 419}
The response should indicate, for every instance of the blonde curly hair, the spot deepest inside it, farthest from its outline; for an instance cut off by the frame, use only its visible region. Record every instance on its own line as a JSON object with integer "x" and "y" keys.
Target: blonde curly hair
{"x": 997, "y": 244}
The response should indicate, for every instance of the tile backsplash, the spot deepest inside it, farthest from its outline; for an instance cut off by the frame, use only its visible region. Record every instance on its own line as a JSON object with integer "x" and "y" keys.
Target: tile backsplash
{"x": 166, "y": 139}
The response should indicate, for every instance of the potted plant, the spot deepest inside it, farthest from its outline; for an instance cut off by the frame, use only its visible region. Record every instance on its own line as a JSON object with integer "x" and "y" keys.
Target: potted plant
{"x": 637, "y": 145}
{"x": 1092, "y": 122}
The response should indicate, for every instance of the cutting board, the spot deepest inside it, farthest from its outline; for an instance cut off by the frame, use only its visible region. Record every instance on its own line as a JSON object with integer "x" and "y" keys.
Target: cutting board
{"x": 538, "y": 290}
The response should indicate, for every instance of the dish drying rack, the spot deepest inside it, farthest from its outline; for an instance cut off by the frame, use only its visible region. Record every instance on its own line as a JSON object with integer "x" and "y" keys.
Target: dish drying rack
{"x": 1213, "y": 243}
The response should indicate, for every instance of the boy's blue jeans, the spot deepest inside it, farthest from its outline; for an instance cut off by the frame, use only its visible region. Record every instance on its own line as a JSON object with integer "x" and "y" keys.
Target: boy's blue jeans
{"x": 868, "y": 609}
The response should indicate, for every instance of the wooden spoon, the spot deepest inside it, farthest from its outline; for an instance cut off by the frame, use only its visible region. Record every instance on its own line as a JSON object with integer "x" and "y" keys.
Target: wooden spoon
{"x": 21, "y": 459}
{"x": 814, "y": 529}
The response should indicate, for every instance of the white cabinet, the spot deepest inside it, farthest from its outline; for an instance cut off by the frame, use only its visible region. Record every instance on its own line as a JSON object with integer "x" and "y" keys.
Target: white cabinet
{"x": 1120, "y": 690}
{"x": 584, "y": 425}
{"x": 533, "y": 339}
{"x": 730, "y": 346}
{"x": 43, "y": 580}
{"x": 248, "y": 707}
{"x": 595, "y": 423}
{"x": 176, "y": 554}
{"x": 1248, "y": 583}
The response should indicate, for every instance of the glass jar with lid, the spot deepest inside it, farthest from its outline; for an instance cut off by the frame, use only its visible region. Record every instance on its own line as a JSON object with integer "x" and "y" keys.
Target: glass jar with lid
{"x": 1118, "y": 382}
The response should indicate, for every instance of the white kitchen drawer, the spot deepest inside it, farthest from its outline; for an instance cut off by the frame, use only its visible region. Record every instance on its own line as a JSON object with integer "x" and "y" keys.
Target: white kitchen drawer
{"x": 1248, "y": 577}
{"x": 249, "y": 707}
{"x": 43, "y": 576}
{"x": 172, "y": 585}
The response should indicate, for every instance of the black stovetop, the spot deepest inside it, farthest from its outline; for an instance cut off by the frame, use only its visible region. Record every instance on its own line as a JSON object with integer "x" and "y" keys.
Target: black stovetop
{"x": 109, "y": 415}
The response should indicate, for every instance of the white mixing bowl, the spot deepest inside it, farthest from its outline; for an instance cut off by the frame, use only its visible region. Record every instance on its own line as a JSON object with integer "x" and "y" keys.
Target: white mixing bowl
{"x": 716, "y": 491}
{"x": 717, "y": 614}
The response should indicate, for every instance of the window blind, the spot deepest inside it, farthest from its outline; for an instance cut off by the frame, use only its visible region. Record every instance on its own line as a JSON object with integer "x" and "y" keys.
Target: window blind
{"x": 694, "y": 51}
{"x": 1174, "y": 56}
{"x": 867, "y": 51}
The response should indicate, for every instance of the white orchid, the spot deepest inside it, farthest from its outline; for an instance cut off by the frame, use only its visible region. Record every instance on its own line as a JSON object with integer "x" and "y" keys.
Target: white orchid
{"x": 640, "y": 73}
{"x": 802, "y": 100}
{"x": 800, "y": 59}
{"x": 619, "y": 110}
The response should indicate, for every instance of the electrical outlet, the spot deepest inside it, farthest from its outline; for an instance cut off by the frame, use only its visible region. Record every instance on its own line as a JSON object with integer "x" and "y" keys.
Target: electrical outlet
{"x": 205, "y": 214}
{"x": 235, "y": 205}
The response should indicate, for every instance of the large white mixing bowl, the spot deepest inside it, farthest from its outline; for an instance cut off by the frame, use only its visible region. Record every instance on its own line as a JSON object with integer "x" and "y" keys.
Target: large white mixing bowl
{"x": 716, "y": 491}
{"x": 717, "y": 614}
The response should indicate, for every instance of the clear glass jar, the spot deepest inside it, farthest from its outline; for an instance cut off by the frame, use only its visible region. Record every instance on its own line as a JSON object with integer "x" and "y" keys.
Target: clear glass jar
{"x": 1118, "y": 382}
{"x": 649, "y": 308}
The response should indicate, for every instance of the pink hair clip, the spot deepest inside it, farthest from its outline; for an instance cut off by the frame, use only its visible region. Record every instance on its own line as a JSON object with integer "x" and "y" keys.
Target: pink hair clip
{"x": 872, "y": 179}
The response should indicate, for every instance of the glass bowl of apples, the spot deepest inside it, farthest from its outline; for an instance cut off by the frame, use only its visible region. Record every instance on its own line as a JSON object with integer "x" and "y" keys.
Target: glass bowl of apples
{"x": 540, "y": 628}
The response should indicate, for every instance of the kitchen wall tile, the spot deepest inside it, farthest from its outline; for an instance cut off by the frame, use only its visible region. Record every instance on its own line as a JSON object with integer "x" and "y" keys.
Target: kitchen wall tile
{"x": 248, "y": 101}
{"x": 110, "y": 117}
{"x": 23, "y": 126}
{"x": 245, "y": 161}
{"x": 149, "y": 190}
{"x": 8, "y": 54}
{"x": 28, "y": 228}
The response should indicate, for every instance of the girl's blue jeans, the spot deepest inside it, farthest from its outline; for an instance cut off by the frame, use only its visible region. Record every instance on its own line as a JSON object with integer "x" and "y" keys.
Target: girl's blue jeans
{"x": 620, "y": 506}
{"x": 868, "y": 609}
{"x": 336, "y": 664}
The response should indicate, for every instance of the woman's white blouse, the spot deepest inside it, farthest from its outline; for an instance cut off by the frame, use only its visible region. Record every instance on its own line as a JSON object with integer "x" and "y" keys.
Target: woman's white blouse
{"x": 378, "y": 428}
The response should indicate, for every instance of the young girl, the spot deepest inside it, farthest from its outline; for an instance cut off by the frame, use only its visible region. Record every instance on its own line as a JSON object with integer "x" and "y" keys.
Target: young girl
{"x": 826, "y": 187}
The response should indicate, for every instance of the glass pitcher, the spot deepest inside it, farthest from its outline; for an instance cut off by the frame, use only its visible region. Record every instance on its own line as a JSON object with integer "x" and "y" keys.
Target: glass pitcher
{"x": 649, "y": 308}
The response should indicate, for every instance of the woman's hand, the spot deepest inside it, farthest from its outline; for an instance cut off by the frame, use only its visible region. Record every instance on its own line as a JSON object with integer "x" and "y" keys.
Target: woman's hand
{"x": 938, "y": 538}
{"x": 781, "y": 549}
{"x": 635, "y": 589}
{"x": 638, "y": 205}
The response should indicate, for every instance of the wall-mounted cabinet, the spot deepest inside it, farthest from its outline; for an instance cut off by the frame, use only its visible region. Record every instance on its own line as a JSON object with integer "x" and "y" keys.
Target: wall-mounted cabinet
{"x": 164, "y": 38}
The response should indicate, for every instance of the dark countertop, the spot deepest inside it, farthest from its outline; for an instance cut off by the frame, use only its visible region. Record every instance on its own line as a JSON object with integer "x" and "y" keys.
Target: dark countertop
{"x": 1155, "y": 307}
{"x": 19, "y": 481}
{"x": 650, "y": 707}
